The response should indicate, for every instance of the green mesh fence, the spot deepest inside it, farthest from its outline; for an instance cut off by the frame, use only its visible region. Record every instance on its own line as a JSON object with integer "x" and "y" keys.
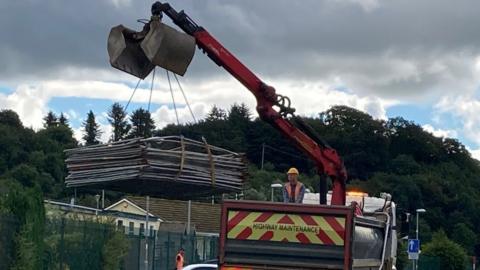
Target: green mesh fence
{"x": 425, "y": 263}
{"x": 8, "y": 227}
{"x": 72, "y": 244}
{"x": 88, "y": 245}
{"x": 197, "y": 249}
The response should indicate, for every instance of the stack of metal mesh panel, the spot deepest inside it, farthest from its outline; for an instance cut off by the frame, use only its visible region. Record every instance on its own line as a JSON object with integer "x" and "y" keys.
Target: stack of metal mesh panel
{"x": 171, "y": 167}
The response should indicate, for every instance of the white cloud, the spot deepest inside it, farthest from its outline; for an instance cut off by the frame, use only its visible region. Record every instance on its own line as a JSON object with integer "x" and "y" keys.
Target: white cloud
{"x": 441, "y": 133}
{"x": 26, "y": 102}
{"x": 367, "y": 5}
{"x": 106, "y": 132}
{"x": 467, "y": 110}
{"x": 475, "y": 153}
{"x": 308, "y": 97}
{"x": 78, "y": 134}
{"x": 72, "y": 114}
{"x": 165, "y": 115}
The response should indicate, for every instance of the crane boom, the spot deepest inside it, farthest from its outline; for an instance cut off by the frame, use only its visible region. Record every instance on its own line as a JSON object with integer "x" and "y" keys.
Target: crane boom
{"x": 326, "y": 158}
{"x": 271, "y": 107}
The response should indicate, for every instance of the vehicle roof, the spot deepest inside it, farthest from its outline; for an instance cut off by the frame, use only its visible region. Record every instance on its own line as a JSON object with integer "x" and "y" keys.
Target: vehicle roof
{"x": 193, "y": 266}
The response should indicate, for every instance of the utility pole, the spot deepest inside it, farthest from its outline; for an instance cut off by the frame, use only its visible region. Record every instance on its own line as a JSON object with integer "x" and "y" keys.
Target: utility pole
{"x": 263, "y": 154}
{"x": 103, "y": 199}
{"x": 146, "y": 231}
{"x": 189, "y": 213}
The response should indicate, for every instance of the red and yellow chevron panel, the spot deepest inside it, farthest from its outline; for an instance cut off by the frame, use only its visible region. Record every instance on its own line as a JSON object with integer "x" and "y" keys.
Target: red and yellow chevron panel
{"x": 294, "y": 228}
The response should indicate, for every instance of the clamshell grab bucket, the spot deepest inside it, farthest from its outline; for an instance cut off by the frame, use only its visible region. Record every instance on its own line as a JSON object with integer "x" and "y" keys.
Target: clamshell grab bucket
{"x": 126, "y": 54}
{"x": 168, "y": 48}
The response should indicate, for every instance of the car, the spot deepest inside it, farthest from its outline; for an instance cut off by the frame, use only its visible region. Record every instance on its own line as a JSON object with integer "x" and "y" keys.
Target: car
{"x": 201, "y": 266}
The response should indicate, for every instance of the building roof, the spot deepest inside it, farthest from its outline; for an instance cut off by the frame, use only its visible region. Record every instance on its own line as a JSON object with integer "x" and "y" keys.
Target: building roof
{"x": 205, "y": 217}
{"x": 125, "y": 200}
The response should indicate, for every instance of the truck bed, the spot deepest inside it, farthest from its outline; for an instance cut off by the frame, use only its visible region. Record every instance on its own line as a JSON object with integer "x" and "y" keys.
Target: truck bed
{"x": 259, "y": 235}
{"x": 278, "y": 236}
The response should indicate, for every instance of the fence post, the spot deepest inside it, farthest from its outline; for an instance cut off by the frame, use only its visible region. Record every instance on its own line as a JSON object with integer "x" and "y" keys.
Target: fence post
{"x": 139, "y": 240}
{"x": 204, "y": 257}
{"x": 62, "y": 232}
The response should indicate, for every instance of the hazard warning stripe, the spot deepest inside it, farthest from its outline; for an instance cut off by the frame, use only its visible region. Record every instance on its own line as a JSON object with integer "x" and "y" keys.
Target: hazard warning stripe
{"x": 268, "y": 226}
{"x": 237, "y": 217}
{"x": 335, "y": 236}
{"x": 333, "y": 222}
{"x": 236, "y": 224}
{"x": 264, "y": 217}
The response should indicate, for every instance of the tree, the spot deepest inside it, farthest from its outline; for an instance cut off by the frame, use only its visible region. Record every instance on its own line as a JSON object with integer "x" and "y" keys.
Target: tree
{"x": 239, "y": 113}
{"x": 62, "y": 120}
{"x": 117, "y": 117}
{"x": 452, "y": 255}
{"x": 464, "y": 236}
{"x": 92, "y": 131}
{"x": 142, "y": 124}
{"x": 216, "y": 114}
{"x": 10, "y": 118}
{"x": 50, "y": 120}
{"x": 26, "y": 205}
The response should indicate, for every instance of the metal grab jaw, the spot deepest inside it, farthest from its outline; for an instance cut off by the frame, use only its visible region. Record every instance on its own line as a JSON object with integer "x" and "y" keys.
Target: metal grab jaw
{"x": 126, "y": 54}
{"x": 137, "y": 53}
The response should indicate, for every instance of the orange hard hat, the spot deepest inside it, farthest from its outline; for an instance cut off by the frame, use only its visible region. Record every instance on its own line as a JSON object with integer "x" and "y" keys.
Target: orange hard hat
{"x": 293, "y": 171}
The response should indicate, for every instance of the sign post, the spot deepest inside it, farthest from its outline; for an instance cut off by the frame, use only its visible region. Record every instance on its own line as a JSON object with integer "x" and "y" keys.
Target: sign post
{"x": 413, "y": 250}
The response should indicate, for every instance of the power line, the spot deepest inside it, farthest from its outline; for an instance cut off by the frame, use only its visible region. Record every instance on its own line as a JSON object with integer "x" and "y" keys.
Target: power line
{"x": 285, "y": 153}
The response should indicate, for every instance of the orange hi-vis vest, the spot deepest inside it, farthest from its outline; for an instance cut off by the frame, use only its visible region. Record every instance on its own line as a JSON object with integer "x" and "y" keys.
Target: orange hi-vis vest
{"x": 179, "y": 261}
{"x": 298, "y": 187}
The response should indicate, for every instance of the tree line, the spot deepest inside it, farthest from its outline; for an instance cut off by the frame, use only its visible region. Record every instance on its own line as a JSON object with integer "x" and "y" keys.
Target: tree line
{"x": 395, "y": 155}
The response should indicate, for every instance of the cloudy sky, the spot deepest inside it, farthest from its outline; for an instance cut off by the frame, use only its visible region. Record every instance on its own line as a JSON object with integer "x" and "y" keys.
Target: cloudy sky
{"x": 415, "y": 59}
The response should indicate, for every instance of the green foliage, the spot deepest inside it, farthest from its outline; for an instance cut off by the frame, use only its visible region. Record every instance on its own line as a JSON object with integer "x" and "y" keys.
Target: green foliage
{"x": 62, "y": 120}
{"x": 26, "y": 205}
{"x": 10, "y": 119}
{"x": 91, "y": 133}
{"x": 402, "y": 258}
{"x": 117, "y": 117}
{"x": 464, "y": 236}
{"x": 114, "y": 250}
{"x": 142, "y": 124}
{"x": 452, "y": 255}
{"x": 82, "y": 243}
{"x": 50, "y": 120}
{"x": 396, "y": 156}
{"x": 216, "y": 114}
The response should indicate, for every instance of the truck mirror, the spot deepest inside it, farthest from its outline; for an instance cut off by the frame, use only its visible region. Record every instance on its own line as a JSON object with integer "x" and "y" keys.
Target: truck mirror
{"x": 126, "y": 54}
{"x": 404, "y": 223}
{"x": 168, "y": 48}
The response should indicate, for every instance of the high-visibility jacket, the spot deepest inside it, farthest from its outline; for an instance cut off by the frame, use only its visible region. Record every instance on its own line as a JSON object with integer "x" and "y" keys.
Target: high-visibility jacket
{"x": 179, "y": 261}
{"x": 296, "y": 195}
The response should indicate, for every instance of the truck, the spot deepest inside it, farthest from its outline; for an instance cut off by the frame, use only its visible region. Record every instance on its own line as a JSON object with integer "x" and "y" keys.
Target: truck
{"x": 349, "y": 231}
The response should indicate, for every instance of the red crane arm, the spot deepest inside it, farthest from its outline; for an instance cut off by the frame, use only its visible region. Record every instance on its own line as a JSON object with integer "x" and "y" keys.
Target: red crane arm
{"x": 326, "y": 158}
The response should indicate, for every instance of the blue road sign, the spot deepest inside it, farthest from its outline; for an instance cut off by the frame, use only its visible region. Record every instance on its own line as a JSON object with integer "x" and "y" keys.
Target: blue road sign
{"x": 413, "y": 245}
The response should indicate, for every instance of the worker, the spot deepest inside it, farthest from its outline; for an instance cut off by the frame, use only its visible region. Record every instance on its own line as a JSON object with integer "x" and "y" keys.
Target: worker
{"x": 293, "y": 190}
{"x": 180, "y": 258}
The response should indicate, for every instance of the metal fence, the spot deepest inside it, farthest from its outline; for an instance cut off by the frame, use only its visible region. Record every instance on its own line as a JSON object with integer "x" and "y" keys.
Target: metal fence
{"x": 435, "y": 263}
{"x": 88, "y": 245}
{"x": 8, "y": 227}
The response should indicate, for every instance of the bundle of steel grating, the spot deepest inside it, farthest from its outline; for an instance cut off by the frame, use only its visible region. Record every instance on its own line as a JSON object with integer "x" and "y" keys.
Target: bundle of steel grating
{"x": 171, "y": 167}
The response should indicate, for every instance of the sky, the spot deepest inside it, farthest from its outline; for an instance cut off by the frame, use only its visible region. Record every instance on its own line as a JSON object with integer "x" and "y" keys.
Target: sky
{"x": 419, "y": 60}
